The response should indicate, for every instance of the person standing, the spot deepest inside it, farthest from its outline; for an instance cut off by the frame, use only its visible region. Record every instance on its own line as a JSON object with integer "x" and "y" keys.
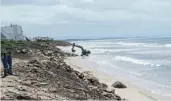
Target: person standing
{"x": 5, "y": 64}
{"x": 9, "y": 60}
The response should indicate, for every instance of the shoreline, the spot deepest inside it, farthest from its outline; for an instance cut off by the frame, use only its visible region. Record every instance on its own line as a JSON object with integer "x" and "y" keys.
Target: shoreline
{"x": 132, "y": 93}
{"x": 47, "y": 73}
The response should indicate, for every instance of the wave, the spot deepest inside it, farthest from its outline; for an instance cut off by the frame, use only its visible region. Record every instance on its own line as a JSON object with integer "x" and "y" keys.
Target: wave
{"x": 110, "y": 51}
{"x": 143, "y": 44}
{"x": 135, "y": 73}
{"x": 168, "y": 45}
{"x": 130, "y": 44}
{"x": 135, "y": 61}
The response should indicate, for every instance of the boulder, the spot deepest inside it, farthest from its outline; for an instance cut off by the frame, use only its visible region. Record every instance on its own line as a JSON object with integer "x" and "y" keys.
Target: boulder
{"x": 25, "y": 97}
{"x": 111, "y": 96}
{"x": 118, "y": 84}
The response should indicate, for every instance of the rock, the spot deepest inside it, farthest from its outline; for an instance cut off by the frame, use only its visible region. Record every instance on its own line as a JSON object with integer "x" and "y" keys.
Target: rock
{"x": 49, "y": 53}
{"x": 54, "y": 90}
{"x": 33, "y": 82}
{"x": 118, "y": 84}
{"x": 41, "y": 84}
{"x": 69, "y": 69}
{"x": 29, "y": 65}
{"x": 117, "y": 97}
{"x": 104, "y": 86}
{"x": 33, "y": 61}
{"x": 37, "y": 65}
{"x": 92, "y": 87}
{"x": 24, "y": 97}
{"x": 30, "y": 52}
{"x": 81, "y": 75}
{"x": 74, "y": 75}
{"x": 110, "y": 91}
{"x": 34, "y": 70}
{"x": 93, "y": 80}
{"x": 111, "y": 96}
{"x": 77, "y": 73}
{"x": 21, "y": 88}
{"x": 26, "y": 83}
{"x": 45, "y": 98}
{"x": 52, "y": 59}
{"x": 23, "y": 51}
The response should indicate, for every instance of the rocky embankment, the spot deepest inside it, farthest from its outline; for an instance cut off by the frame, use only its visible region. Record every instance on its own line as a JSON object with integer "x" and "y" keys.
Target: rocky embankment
{"x": 42, "y": 74}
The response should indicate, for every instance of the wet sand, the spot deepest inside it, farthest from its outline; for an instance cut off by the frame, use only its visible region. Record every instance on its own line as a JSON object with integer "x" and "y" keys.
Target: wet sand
{"x": 131, "y": 93}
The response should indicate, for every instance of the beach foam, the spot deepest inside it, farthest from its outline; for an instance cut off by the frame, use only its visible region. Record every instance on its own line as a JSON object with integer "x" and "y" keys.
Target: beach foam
{"x": 135, "y": 61}
{"x": 146, "y": 61}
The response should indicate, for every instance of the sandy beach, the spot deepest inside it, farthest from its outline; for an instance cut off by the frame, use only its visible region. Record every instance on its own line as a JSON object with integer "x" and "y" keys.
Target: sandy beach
{"x": 131, "y": 93}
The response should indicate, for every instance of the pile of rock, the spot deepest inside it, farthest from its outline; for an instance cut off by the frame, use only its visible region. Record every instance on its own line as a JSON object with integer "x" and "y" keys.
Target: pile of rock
{"x": 58, "y": 77}
{"x": 53, "y": 77}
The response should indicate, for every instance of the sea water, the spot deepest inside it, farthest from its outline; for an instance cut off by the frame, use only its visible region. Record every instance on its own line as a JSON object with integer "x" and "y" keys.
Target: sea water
{"x": 145, "y": 62}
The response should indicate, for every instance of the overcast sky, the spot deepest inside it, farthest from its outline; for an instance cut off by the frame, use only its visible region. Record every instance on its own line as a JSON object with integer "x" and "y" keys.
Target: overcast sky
{"x": 89, "y": 18}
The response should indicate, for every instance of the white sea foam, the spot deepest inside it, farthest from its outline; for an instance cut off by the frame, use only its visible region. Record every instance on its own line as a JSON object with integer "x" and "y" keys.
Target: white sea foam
{"x": 108, "y": 51}
{"x": 135, "y": 61}
{"x": 142, "y": 44}
{"x": 168, "y": 45}
{"x": 119, "y": 56}
{"x": 138, "y": 74}
{"x": 130, "y": 44}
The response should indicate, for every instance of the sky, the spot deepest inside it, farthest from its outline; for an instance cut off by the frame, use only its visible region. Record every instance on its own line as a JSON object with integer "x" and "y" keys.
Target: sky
{"x": 89, "y": 18}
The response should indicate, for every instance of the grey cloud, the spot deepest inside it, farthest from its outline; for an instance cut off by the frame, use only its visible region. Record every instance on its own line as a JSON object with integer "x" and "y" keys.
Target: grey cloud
{"x": 90, "y": 14}
{"x": 16, "y": 2}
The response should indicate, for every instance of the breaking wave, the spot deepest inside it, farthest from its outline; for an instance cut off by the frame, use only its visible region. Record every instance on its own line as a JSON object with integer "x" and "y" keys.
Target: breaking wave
{"x": 135, "y": 61}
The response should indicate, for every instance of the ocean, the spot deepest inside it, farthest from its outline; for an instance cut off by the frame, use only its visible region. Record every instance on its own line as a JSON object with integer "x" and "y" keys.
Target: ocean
{"x": 144, "y": 62}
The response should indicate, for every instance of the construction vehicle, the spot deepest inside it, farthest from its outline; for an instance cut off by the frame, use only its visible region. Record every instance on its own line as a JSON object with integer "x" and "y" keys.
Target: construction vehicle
{"x": 84, "y": 51}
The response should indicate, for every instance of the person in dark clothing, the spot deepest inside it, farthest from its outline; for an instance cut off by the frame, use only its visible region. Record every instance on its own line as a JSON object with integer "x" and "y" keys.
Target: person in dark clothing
{"x": 5, "y": 64}
{"x": 9, "y": 60}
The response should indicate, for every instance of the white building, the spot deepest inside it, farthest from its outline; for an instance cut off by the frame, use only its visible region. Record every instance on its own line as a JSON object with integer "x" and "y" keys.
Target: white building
{"x": 12, "y": 32}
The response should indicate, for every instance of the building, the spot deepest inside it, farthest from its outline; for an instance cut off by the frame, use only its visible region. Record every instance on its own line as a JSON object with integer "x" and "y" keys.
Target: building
{"x": 12, "y": 32}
